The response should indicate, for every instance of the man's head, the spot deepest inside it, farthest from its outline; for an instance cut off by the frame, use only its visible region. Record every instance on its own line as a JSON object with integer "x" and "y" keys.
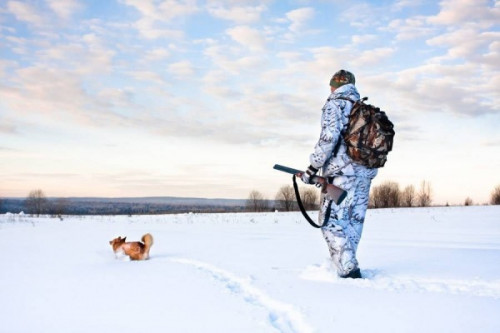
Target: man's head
{"x": 342, "y": 77}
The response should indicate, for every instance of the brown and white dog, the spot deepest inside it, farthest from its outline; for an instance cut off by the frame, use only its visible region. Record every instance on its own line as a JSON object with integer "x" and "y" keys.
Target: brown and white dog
{"x": 135, "y": 250}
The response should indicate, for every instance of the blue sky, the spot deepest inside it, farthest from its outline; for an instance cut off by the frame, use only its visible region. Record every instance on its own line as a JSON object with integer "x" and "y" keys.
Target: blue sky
{"x": 202, "y": 98}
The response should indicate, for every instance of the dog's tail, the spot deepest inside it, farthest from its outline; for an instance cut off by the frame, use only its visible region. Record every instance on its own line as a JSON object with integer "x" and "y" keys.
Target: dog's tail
{"x": 147, "y": 239}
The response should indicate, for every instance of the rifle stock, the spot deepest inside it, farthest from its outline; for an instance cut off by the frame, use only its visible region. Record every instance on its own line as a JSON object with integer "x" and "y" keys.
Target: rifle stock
{"x": 331, "y": 191}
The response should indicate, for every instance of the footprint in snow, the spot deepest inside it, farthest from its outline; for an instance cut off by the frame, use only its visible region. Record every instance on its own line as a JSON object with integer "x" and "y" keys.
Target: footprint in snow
{"x": 282, "y": 316}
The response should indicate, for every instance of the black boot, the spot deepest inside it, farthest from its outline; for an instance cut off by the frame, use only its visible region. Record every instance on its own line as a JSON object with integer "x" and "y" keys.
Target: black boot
{"x": 354, "y": 274}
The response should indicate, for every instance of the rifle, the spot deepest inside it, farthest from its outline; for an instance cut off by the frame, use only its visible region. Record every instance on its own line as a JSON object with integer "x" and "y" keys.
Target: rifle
{"x": 331, "y": 191}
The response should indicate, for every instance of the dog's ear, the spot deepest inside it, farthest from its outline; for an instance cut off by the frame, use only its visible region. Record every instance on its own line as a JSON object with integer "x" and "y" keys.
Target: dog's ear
{"x": 123, "y": 239}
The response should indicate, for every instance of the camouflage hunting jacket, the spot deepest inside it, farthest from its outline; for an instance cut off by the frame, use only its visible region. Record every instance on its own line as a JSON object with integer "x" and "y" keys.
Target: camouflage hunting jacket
{"x": 334, "y": 118}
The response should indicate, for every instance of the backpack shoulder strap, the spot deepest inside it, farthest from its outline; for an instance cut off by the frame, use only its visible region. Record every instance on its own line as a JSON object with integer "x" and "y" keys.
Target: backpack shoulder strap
{"x": 337, "y": 146}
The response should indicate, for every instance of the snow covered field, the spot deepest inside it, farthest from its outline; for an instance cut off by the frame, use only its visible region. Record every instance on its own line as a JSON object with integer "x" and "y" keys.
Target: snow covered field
{"x": 426, "y": 269}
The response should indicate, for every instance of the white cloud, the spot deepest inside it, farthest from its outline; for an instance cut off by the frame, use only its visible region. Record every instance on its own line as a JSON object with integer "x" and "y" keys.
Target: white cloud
{"x": 145, "y": 7}
{"x": 411, "y": 28}
{"x": 248, "y": 37}
{"x": 5, "y": 65}
{"x": 25, "y": 12}
{"x": 111, "y": 97}
{"x": 469, "y": 45}
{"x": 182, "y": 69}
{"x": 327, "y": 60}
{"x": 170, "y": 9}
{"x": 157, "y": 54}
{"x": 147, "y": 76}
{"x": 455, "y": 12}
{"x": 6, "y": 128}
{"x": 149, "y": 29}
{"x": 362, "y": 39}
{"x": 156, "y": 16}
{"x": 238, "y": 14}
{"x": 299, "y": 18}
{"x": 401, "y": 4}
{"x": 87, "y": 54}
{"x": 374, "y": 56}
{"x": 64, "y": 8}
{"x": 216, "y": 84}
{"x": 50, "y": 92}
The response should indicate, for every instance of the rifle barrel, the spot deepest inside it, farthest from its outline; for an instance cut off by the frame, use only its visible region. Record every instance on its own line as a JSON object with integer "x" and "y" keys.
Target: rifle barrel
{"x": 287, "y": 169}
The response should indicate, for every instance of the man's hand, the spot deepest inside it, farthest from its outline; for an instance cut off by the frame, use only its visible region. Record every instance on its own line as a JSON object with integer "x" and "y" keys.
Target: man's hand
{"x": 307, "y": 176}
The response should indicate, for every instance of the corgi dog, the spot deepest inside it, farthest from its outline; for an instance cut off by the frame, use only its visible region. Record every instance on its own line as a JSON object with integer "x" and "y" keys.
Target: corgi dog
{"x": 135, "y": 250}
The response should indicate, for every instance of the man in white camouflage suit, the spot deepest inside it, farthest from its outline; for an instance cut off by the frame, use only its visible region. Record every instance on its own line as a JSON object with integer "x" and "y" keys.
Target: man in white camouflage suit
{"x": 343, "y": 222}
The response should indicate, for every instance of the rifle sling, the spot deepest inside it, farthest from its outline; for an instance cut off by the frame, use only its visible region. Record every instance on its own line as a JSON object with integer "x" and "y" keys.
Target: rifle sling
{"x": 301, "y": 206}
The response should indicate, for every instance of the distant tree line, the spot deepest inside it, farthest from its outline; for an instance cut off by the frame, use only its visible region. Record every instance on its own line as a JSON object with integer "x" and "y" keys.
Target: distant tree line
{"x": 284, "y": 200}
{"x": 388, "y": 194}
{"x": 385, "y": 195}
{"x": 37, "y": 203}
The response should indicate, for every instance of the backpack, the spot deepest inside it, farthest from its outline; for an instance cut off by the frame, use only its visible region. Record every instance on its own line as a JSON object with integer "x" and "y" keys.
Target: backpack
{"x": 369, "y": 135}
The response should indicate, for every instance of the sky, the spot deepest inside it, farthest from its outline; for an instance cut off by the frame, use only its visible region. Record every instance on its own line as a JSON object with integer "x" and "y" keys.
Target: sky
{"x": 134, "y": 98}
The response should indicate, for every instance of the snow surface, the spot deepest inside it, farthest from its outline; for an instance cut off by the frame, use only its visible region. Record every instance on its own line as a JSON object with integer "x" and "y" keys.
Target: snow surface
{"x": 426, "y": 270}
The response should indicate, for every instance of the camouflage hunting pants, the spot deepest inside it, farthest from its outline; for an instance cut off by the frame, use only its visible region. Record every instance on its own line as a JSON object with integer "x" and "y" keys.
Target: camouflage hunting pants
{"x": 344, "y": 222}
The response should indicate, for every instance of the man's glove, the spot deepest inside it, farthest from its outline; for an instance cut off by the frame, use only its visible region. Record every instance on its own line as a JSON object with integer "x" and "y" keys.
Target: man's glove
{"x": 308, "y": 175}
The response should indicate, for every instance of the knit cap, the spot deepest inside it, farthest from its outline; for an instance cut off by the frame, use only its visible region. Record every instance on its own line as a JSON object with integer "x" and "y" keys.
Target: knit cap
{"x": 342, "y": 77}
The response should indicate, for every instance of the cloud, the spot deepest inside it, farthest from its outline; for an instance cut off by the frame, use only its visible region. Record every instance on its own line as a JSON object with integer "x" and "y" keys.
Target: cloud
{"x": 156, "y": 54}
{"x": 50, "y": 91}
{"x": 239, "y": 14}
{"x": 115, "y": 97}
{"x": 401, "y": 4}
{"x": 361, "y": 15}
{"x": 25, "y": 12}
{"x": 329, "y": 58}
{"x": 410, "y": 29}
{"x": 86, "y": 54}
{"x": 491, "y": 143}
{"x": 249, "y": 37}
{"x": 6, "y": 65}
{"x": 7, "y": 128}
{"x": 468, "y": 43}
{"x": 165, "y": 10}
{"x": 157, "y": 16}
{"x": 299, "y": 18}
{"x": 150, "y": 29}
{"x": 456, "y": 12}
{"x": 64, "y": 8}
{"x": 437, "y": 88}
{"x": 374, "y": 56}
{"x": 363, "y": 39}
{"x": 182, "y": 69}
{"x": 147, "y": 76}
{"x": 145, "y": 7}
{"x": 216, "y": 83}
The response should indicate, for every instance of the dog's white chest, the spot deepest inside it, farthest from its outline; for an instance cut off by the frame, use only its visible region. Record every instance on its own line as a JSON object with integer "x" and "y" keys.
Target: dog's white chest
{"x": 120, "y": 254}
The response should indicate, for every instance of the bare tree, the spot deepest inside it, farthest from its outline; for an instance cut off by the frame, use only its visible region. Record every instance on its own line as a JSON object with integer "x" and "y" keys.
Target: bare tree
{"x": 408, "y": 196}
{"x": 386, "y": 195}
{"x": 424, "y": 196}
{"x": 59, "y": 207}
{"x": 309, "y": 197}
{"x": 285, "y": 198}
{"x": 36, "y": 202}
{"x": 495, "y": 196}
{"x": 468, "y": 202}
{"x": 256, "y": 202}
